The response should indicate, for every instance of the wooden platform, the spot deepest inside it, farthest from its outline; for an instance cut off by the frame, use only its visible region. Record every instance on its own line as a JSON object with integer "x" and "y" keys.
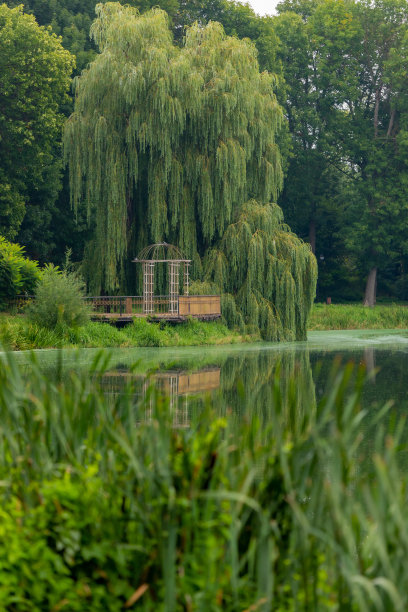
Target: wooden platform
{"x": 122, "y": 309}
{"x": 177, "y": 309}
{"x": 114, "y": 317}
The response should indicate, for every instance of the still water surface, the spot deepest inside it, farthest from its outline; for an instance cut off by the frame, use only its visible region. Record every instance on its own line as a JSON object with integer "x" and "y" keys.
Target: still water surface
{"x": 240, "y": 378}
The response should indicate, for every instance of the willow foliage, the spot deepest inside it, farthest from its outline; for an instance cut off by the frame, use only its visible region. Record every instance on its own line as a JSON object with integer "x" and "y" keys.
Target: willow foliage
{"x": 167, "y": 143}
{"x": 268, "y": 269}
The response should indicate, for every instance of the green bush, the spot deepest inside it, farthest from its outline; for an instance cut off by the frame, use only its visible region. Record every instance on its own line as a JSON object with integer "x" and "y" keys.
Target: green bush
{"x": 18, "y": 274}
{"x": 59, "y": 300}
{"x": 101, "y": 335}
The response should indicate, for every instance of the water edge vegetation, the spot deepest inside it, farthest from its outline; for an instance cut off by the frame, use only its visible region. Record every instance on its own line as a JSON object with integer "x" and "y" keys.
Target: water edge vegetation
{"x": 105, "y": 504}
{"x": 18, "y": 333}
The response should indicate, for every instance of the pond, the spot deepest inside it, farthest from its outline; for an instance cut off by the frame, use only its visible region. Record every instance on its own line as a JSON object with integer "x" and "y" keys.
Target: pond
{"x": 242, "y": 379}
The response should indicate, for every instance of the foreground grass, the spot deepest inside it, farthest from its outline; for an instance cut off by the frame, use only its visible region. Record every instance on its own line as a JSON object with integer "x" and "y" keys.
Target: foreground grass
{"x": 109, "y": 505}
{"x": 356, "y": 316}
{"x": 17, "y": 333}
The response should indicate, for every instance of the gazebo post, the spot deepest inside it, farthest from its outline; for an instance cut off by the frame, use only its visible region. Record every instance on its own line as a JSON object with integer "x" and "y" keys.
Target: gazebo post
{"x": 186, "y": 277}
{"x": 148, "y": 286}
{"x": 173, "y": 286}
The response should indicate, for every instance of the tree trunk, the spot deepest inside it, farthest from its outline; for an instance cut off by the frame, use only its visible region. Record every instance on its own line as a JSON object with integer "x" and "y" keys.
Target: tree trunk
{"x": 376, "y": 109}
{"x": 371, "y": 288}
{"x": 391, "y": 123}
{"x": 312, "y": 235}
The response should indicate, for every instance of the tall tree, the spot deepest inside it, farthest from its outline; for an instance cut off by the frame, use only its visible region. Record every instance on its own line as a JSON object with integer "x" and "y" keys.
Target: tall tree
{"x": 35, "y": 79}
{"x": 373, "y": 123}
{"x": 313, "y": 198}
{"x": 169, "y": 143}
{"x": 346, "y": 95}
{"x": 71, "y": 20}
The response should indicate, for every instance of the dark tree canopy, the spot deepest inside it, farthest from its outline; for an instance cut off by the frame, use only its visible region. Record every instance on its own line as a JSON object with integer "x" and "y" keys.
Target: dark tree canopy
{"x": 168, "y": 143}
{"x": 345, "y": 68}
{"x": 35, "y": 79}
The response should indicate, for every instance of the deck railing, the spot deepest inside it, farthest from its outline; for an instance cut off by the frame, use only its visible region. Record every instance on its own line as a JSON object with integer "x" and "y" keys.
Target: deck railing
{"x": 134, "y": 305}
{"x": 20, "y": 302}
{"x": 129, "y": 305}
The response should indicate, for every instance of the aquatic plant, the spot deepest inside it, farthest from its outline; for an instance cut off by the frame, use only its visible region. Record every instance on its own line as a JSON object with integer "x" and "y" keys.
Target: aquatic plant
{"x": 121, "y": 507}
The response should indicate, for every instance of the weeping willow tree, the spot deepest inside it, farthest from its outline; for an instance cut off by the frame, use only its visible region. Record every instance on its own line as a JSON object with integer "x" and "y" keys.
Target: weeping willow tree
{"x": 167, "y": 144}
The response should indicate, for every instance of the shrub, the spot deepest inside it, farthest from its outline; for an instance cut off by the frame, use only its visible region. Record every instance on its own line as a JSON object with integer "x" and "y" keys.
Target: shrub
{"x": 17, "y": 273}
{"x": 59, "y": 300}
{"x": 147, "y": 334}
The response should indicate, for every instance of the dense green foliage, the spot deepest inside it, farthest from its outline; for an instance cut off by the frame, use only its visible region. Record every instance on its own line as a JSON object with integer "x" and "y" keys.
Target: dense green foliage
{"x": 287, "y": 510}
{"x": 18, "y": 274}
{"x": 166, "y": 144}
{"x": 35, "y": 79}
{"x": 344, "y": 63}
{"x": 72, "y": 20}
{"x": 59, "y": 300}
{"x": 269, "y": 270}
{"x": 339, "y": 70}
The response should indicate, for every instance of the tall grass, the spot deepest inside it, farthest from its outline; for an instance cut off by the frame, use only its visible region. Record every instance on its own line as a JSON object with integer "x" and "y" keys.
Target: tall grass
{"x": 105, "y": 505}
{"x": 356, "y": 316}
{"x": 17, "y": 333}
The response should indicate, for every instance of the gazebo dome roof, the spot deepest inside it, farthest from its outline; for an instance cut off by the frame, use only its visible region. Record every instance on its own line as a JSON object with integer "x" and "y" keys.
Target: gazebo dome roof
{"x": 161, "y": 252}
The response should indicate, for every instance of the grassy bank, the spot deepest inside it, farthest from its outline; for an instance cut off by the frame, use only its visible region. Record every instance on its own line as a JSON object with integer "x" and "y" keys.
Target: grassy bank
{"x": 17, "y": 333}
{"x": 356, "y": 316}
{"x": 105, "y": 504}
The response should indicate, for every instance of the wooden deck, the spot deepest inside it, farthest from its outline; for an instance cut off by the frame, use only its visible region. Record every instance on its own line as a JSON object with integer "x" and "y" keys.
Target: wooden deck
{"x": 160, "y": 308}
{"x": 123, "y": 309}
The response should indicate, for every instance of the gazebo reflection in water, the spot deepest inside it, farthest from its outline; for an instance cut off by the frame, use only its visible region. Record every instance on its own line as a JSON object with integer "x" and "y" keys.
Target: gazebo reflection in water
{"x": 176, "y": 385}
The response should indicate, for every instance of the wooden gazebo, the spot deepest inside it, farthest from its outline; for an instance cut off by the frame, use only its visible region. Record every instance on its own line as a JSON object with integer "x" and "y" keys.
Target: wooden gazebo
{"x": 163, "y": 253}
{"x": 170, "y": 307}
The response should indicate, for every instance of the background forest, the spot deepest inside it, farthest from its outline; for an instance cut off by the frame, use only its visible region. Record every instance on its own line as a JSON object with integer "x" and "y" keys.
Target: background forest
{"x": 341, "y": 78}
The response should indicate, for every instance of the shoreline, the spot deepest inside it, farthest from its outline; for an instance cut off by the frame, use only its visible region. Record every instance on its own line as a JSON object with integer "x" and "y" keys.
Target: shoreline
{"x": 17, "y": 334}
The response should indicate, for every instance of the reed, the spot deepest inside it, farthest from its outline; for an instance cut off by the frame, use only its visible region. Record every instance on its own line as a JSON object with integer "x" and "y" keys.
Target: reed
{"x": 107, "y": 505}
